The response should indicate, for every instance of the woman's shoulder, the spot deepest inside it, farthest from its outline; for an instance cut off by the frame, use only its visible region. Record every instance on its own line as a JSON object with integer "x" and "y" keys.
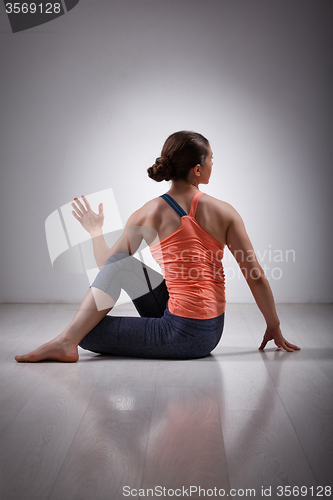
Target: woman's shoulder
{"x": 215, "y": 216}
{"x": 153, "y": 206}
{"x": 216, "y": 206}
{"x": 150, "y": 210}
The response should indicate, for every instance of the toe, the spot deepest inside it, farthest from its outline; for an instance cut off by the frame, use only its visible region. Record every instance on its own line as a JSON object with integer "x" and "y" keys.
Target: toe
{"x": 19, "y": 358}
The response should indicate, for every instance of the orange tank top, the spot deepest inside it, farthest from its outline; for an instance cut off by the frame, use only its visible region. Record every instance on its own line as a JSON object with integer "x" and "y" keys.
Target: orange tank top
{"x": 190, "y": 260}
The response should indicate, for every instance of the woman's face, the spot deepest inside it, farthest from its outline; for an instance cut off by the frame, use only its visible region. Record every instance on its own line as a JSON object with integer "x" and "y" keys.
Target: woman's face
{"x": 207, "y": 168}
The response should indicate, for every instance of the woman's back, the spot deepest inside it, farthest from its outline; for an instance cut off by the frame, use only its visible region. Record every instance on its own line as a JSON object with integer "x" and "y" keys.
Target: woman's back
{"x": 214, "y": 216}
{"x": 190, "y": 259}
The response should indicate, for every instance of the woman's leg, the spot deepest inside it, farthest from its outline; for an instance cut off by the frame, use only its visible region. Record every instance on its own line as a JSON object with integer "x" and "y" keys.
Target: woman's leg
{"x": 168, "y": 337}
{"x": 145, "y": 286}
{"x": 64, "y": 346}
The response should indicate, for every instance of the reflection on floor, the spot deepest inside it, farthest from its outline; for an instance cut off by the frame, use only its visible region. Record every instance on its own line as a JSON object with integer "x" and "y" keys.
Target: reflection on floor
{"x": 107, "y": 428}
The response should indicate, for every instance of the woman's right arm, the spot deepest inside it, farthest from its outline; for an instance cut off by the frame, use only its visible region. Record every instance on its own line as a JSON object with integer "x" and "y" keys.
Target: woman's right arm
{"x": 241, "y": 247}
{"x": 128, "y": 242}
{"x": 92, "y": 223}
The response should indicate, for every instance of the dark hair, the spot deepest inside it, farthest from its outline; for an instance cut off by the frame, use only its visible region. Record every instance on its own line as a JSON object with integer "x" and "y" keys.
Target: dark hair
{"x": 181, "y": 151}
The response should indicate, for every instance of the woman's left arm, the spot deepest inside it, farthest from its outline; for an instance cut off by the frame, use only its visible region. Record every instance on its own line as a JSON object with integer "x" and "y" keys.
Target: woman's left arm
{"x": 241, "y": 247}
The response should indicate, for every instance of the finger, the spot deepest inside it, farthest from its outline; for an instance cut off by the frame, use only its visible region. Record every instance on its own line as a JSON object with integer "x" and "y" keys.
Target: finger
{"x": 86, "y": 202}
{"x": 77, "y": 210}
{"x": 292, "y": 346}
{"x": 100, "y": 209}
{"x": 279, "y": 346}
{"x": 77, "y": 201}
{"x": 263, "y": 344}
{"x": 284, "y": 345}
{"x": 76, "y": 216}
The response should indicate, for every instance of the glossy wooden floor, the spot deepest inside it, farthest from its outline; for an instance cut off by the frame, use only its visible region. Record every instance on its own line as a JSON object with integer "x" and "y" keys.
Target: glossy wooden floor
{"x": 238, "y": 419}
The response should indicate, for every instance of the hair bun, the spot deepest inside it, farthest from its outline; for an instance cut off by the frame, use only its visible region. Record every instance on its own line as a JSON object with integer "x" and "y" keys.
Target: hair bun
{"x": 161, "y": 170}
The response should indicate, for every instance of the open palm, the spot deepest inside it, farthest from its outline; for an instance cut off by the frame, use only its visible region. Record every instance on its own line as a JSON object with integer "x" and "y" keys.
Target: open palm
{"x": 88, "y": 219}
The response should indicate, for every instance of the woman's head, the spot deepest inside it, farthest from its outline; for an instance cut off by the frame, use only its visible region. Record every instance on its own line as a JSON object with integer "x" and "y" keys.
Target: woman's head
{"x": 181, "y": 152}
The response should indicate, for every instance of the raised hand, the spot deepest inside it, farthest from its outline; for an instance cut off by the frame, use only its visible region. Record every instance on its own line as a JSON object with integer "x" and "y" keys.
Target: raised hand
{"x": 88, "y": 219}
{"x": 276, "y": 335}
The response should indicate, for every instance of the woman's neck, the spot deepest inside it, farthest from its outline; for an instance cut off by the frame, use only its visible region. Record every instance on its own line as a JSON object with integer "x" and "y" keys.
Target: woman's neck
{"x": 181, "y": 186}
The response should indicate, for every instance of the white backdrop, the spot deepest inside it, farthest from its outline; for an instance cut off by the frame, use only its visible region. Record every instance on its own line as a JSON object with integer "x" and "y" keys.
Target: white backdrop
{"x": 88, "y": 99}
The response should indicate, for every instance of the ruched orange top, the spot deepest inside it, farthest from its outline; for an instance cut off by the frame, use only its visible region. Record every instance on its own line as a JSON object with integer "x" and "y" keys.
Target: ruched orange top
{"x": 190, "y": 260}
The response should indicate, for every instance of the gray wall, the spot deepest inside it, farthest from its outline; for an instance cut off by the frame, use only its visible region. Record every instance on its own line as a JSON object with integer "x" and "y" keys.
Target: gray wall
{"x": 88, "y": 99}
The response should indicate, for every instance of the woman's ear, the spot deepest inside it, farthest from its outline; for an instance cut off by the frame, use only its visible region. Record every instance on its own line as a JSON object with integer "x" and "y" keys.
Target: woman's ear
{"x": 197, "y": 169}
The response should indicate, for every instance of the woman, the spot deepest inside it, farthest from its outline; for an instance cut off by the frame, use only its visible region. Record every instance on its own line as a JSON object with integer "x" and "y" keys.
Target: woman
{"x": 183, "y": 316}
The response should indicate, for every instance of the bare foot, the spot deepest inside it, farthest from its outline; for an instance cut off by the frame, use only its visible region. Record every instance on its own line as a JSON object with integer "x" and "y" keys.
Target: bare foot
{"x": 55, "y": 350}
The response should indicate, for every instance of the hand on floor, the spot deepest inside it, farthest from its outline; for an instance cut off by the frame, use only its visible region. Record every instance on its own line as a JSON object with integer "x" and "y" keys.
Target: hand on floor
{"x": 276, "y": 335}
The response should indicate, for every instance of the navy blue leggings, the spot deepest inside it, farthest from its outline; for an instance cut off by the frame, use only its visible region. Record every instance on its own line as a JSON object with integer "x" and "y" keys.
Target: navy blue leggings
{"x": 156, "y": 333}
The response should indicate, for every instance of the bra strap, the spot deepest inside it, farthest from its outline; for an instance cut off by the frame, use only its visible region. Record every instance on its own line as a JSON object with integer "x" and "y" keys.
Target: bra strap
{"x": 173, "y": 204}
{"x": 194, "y": 203}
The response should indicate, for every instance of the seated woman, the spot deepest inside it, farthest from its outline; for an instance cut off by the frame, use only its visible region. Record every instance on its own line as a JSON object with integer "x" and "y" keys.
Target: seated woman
{"x": 181, "y": 312}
